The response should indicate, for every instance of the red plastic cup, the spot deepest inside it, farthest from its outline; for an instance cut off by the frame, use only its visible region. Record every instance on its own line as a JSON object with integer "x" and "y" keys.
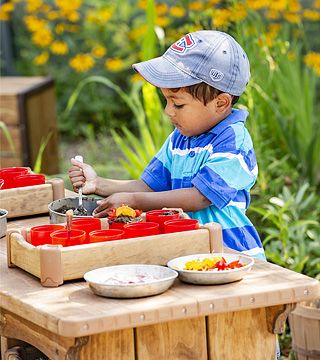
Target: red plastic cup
{"x": 106, "y": 235}
{"x": 142, "y": 228}
{"x": 116, "y": 225}
{"x": 40, "y": 235}
{"x": 160, "y": 217}
{"x": 8, "y": 174}
{"x": 28, "y": 180}
{"x": 171, "y": 226}
{"x": 62, "y": 237}
{"x": 86, "y": 224}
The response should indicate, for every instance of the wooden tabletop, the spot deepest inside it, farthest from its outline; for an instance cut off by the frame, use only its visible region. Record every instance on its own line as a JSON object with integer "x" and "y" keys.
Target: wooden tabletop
{"x": 73, "y": 310}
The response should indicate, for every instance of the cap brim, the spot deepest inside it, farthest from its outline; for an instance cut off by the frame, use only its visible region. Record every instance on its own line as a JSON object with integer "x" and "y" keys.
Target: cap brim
{"x": 163, "y": 74}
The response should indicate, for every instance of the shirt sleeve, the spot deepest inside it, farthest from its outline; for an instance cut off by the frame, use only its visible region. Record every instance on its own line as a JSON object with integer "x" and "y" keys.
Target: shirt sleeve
{"x": 226, "y": 172}
{"x": 157, "y": 174}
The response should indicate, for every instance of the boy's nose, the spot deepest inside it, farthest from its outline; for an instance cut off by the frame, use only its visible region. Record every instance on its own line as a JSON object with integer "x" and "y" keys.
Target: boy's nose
{"x": 169, "y": 110}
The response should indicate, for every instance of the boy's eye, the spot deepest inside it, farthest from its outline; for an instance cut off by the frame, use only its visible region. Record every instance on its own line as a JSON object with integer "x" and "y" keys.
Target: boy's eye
{"x": 178, "y": 106}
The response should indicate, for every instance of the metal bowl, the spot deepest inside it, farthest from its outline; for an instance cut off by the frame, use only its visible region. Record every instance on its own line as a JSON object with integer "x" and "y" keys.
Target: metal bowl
{"x": 57, "y": 217}
{"x": 3, "y": 222}
{"x": 211, "y": 277}
{"x": 98, "y": 279}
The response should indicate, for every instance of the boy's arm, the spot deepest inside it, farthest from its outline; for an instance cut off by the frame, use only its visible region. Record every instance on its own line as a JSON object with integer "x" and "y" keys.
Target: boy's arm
{"x": 189, "y": 199}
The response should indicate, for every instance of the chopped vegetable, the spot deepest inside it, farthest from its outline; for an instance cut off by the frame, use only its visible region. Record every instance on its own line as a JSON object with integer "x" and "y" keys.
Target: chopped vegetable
{"x": 217, "y": 263}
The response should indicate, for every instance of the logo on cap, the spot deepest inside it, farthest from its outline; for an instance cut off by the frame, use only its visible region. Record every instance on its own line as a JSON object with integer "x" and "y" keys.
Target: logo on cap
{"x": 183, "y": 44}
{"x": 216, "y": 75}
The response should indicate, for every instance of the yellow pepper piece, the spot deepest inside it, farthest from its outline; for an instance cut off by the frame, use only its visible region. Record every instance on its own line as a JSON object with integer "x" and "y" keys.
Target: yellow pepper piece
{"x": 126, "y": 211}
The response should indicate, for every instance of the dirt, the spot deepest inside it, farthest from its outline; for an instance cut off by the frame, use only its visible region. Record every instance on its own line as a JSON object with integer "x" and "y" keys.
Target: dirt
{"x": 65, "y": 208}
{"x": 2, "y": 213}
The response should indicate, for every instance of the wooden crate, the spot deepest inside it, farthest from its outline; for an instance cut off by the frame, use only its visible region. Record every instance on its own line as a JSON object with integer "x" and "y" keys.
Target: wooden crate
{"x": 54, "y": 264}
{"x": 27, "y": 108}
{"x": 31, "y": 200}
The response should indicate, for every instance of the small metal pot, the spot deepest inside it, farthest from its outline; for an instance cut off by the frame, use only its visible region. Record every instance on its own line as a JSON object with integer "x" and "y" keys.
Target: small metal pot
{"x": 3, "y": 222}
{"x": 57, "y": 217}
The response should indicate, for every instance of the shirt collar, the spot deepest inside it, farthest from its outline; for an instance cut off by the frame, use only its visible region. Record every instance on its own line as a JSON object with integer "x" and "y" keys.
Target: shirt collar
{"x": 236, "y": 115}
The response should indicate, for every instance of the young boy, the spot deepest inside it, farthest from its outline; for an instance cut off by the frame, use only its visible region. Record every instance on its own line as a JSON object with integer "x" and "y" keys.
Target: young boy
{"x": 207, "y": 165}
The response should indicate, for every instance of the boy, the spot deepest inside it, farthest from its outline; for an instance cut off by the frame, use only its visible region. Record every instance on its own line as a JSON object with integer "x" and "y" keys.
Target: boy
{"x": 207, "y": 165}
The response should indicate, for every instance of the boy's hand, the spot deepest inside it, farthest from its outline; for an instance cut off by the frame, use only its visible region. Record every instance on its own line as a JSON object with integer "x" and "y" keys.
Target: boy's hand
{"x": 113, "y": 201}
{"x": 82, "y": 174}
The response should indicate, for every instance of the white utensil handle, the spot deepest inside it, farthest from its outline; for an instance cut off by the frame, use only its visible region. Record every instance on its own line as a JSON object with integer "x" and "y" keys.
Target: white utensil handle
{"x": 80, "y": 159}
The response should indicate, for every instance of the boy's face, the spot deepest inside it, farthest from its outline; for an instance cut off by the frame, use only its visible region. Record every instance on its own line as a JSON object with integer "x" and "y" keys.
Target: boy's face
{"x": 188, "y": 114}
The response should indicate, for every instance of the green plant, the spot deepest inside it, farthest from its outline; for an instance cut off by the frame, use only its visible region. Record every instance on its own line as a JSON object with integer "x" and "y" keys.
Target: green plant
{"x": 153, "y": 125}
{"x": 289, "y": 229}
{"x": 7, "y": 135}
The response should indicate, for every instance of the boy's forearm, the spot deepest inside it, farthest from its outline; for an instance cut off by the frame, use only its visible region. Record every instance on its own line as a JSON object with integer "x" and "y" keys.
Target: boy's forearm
{"x": 189, "y": 200}
{"x": 106, "y": 187}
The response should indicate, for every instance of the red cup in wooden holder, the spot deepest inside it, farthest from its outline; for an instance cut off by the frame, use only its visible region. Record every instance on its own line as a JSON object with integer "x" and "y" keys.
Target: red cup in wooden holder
{"x": 142, "y": 228}
{"x": 8, "y": 175}
{"x": 106, "y": 235}
{"x": 64, "y": 238}
{"x": 29, "y": 180}
{"x": 40, "y": 235}
{"x": 86, "y": 224}
{"x": 160, "y": 216}
{"x": 171, "y": 226}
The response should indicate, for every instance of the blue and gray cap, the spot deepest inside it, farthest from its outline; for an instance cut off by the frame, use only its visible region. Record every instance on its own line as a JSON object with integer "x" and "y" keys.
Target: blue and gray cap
{"x": 206, "y": 56}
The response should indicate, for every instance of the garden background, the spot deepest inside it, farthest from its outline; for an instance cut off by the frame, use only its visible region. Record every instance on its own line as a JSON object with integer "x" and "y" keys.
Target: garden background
{"x": 116, "y": 121}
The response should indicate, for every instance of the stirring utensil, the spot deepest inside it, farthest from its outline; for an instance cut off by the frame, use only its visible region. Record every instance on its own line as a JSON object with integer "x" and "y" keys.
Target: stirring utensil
{"x": 80, "y": 210}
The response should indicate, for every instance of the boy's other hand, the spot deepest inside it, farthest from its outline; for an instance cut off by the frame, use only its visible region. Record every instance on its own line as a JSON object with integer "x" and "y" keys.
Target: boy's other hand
{"x": 113, "y": 201}
{"x": 82, "y": 174}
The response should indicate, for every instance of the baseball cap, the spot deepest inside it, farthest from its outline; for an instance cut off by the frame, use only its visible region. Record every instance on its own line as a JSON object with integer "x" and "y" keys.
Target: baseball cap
{"x": 209, "y": 56}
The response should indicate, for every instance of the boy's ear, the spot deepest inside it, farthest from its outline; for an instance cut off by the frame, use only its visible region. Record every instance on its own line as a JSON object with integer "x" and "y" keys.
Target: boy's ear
{"x": 223, "y": 101}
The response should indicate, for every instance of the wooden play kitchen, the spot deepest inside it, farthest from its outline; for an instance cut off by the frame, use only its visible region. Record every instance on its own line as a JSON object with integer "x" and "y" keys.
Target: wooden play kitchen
{"x": 236, "y": 320}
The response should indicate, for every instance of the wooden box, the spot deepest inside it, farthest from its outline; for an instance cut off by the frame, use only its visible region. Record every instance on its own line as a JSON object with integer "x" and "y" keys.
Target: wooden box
{"x": 27, "y": 108}
{"x": 54, "y": 264}
{"x": 31, "y": 200}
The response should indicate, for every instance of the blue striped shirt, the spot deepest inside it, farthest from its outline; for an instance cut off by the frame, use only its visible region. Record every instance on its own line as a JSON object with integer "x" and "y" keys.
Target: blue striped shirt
{"x": 222, "y": 165}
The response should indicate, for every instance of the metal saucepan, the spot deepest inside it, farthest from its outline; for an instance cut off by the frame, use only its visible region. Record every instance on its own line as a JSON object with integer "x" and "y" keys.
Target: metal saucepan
{"x": 58, "y": 208}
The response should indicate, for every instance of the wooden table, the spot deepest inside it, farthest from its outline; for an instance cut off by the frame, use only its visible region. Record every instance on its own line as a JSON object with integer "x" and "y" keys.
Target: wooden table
{"x": 231, "y": 321}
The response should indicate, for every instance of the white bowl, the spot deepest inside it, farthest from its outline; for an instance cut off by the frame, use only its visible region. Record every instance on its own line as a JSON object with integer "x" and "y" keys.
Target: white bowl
{"x": 211, "y": 277}
{"x": 158, "y": 280}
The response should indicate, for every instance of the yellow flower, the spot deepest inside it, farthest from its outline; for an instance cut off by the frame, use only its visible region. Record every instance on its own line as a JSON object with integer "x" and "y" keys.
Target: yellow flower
{"x": 278, "y": 5}
{"x": 73, "y": 16}
{"x": 33, "y": 23}
{"x": 114, "y": 65}
{"x": 33, "y": 5}
{"x": 5, "y": 11}
{"x": 177, "y": 11}
{"x": 136, "y": 77}
{"x": 81, "y": 62}
{"x": 311, "y": 15}
{"x": 99, "y": 51}
{"x": 239, "y": 12}
{"x": 142, "y": 4}
{"x": 291, "y": 55}
{"x": 196, "y": 6}
{"x": 100, "y": 17}
{"x": 52, "y": 15}
{"x": 68, "y": 6}
{"x": 312, "y": 60}
{"x": 59, "y": 48}
{"x": 161, "y": 9}
{"x": 316, "y": 4}
{"x": 162, "y": 21}
{"x": 294, "y": 6}
{"x": 42, "y": 37}
{"x": 272, "y": 14}
{"x": 60, "y": 28}
{"x": 221, "y": 18}
{"x": 292, "y": 18}
{"x": 255, "y": 4}
{"x": 41, "y": 58}
{"x": 138, "y": 32}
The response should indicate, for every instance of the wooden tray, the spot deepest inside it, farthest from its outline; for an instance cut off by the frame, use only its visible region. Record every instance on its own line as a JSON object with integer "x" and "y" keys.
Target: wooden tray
{"x": 31, "y": 200}
{"x": 53, "y": 264}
